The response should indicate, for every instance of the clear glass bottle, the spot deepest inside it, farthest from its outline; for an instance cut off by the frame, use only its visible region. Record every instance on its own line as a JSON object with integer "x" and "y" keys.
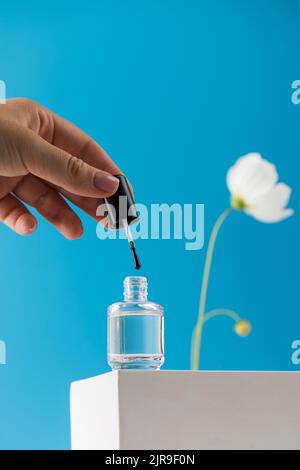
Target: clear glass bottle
{"x": 135, "y": 329}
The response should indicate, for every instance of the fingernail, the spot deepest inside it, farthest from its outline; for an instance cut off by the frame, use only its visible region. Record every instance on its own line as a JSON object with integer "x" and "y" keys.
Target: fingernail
{"x": 106, "y": 182}
{"x": 26, "y": 224}
{"x": 30, "y": 225}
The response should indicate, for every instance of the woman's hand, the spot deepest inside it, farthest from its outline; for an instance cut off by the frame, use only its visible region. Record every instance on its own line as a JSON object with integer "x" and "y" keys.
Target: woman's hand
{"x": 42, "y": 157}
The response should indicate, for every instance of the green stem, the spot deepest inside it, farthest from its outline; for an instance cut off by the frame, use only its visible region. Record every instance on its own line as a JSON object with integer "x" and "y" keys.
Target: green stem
{"x": 197, "y": 337}
{"x": 212, "y": 314}
{"x": 221, "y": 311}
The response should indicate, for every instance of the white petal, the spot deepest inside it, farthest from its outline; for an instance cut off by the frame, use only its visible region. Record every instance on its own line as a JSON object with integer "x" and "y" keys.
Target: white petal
{"x": 270, "y": 216}
{"x": 242, "y": 164}
{"x": 269, "y": 207}
{"x": 251, "y": 177}
{"x": 277, "y": 198}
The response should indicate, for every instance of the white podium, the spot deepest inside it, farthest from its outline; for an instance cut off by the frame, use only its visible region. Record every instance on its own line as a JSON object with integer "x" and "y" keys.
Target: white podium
{"x": 185, "y": 410}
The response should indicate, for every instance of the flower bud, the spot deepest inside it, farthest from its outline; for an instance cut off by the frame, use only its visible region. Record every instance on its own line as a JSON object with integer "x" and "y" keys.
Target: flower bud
{"x": 243, "y": 327}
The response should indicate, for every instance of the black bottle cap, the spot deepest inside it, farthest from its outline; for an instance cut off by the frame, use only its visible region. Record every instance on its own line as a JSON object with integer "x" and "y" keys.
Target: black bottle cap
{"x": 120, "y": 206}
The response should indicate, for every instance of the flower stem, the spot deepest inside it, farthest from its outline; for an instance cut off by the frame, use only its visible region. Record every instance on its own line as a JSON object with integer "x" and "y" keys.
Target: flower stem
{"x": 197, "y": 336}
{"x": 221, "y": 311}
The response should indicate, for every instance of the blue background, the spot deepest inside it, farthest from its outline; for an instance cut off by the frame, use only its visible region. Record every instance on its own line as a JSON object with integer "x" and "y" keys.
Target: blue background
{"x": 175, "y": 91}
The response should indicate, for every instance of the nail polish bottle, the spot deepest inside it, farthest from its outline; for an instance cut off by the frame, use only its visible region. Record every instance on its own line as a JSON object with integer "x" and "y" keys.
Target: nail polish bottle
{"x": 135, "y": 329}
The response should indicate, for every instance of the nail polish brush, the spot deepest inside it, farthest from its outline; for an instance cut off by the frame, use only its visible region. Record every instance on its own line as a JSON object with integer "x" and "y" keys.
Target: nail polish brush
{"x": 137, "y": 263}
{"x": 121, "y": 213}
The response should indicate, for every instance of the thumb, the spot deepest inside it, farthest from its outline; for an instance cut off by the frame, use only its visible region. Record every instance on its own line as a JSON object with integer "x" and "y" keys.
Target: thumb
{"x": 62, "y": 169}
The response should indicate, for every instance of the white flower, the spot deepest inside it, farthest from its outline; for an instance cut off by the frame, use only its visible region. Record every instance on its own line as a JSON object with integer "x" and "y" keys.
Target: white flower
{"x": 252, "y": 182}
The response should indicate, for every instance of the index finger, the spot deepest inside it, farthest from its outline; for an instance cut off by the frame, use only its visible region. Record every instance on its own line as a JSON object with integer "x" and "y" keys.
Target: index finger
{"x": 70, "y": 138}
{"x": 73, "y": 140}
